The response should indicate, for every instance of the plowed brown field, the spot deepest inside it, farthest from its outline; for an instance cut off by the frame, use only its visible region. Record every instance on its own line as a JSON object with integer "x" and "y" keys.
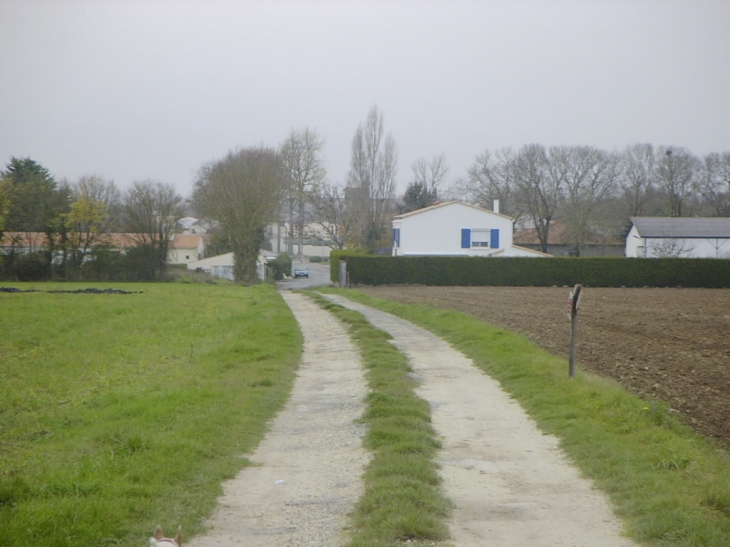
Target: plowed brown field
{"x": 670, "y": 344}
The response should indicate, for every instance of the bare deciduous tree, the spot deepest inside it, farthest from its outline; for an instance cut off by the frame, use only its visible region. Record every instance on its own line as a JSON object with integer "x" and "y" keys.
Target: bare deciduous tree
{"x": 714, "y": 182}
{"x": 492, "y": 177}
{"x": 151, "y": 211}
{"x": 676, "y": 173}
{"x": 301, "y": 156}
{"x": 638, "y": 176}
{"x": 588, "y": 177}
{"x": 242, "y": 192}
{"x": 371, "y": 180}
{"x": 539, "y": 188}
{"x": 431, "y": 173}
{"x": 332, "y": 214}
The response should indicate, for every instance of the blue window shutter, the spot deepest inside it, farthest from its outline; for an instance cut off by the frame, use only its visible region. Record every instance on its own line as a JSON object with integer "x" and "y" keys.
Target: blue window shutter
{"x": 465, "y": 238}
{"x": 494, "y": 238}
{"x": 396, "y": 237}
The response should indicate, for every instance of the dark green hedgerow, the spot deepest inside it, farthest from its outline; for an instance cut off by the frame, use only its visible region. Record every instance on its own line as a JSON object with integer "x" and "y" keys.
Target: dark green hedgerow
{"x": 534, "y": 272}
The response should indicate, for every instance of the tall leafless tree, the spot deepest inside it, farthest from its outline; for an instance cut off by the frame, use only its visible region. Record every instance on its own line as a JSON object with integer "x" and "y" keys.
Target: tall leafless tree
{"x": 588, "y": 176}
{"x": 431, "y": 173}
{"x": 332, "y": 214}
{"x": 676, "y": 171}
{"x": 301, "y": 154}
{"x": 371, "y": 180}
{"x": 151, "y": 212}
{"x": 638, "y": 176}
{"x": 492, "y": 177}
{"x": 242, "y": 192}
{"x": 714, "y": 182}
{"x": 539, "y": 189}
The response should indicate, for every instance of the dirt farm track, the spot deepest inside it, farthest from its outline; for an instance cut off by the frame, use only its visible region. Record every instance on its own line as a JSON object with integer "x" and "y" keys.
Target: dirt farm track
{"x": 670, "y": 344}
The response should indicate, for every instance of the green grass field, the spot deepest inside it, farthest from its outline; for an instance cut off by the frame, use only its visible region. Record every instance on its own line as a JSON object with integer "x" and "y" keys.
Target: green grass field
{"x": 121, "y": 411}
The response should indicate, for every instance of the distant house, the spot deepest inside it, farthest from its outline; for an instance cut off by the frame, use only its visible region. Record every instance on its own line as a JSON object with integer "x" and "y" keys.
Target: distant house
{"x": 182, "y": 249}
{"x": 33, "y": 242}
{"x": 559, "y": 243}
{"x": 454, "y": 228}
{"x": 23, "y": 242}
{"x": 659, "y": 237}
{"x": 186, "y": 248}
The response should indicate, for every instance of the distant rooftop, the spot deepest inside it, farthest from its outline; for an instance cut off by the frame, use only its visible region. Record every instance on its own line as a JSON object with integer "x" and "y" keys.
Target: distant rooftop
{"x": 682, "y": 227}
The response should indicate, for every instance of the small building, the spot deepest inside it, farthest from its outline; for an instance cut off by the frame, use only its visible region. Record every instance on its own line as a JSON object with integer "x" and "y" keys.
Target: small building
{"x": 454, "y": 228}
{"x": 186, "y": 248}
{"x": 683, "y": 237}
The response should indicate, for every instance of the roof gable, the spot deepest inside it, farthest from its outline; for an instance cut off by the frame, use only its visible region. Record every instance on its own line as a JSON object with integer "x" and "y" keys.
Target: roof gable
{"x": 449, "y": 204}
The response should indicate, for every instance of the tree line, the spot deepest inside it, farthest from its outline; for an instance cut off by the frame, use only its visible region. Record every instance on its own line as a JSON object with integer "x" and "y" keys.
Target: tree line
{"x": 73, "y": 220}
{"x": 593, "y": 192}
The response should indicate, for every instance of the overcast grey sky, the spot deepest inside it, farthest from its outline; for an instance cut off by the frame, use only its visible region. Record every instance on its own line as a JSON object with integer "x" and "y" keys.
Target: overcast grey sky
{"x": 152, "y": 89}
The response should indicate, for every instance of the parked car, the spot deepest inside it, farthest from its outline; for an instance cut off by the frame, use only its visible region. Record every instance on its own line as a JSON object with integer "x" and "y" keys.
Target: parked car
{"x": 301, "y": 271}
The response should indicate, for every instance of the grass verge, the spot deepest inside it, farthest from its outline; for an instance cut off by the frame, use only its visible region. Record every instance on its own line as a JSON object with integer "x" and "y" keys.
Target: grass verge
{"x": 403, "y": 500}
{"x": 122, "y": 411}
{"x": 670, "y": 486}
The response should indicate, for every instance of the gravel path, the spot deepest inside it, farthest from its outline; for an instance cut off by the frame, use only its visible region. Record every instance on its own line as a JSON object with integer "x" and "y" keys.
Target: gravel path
{"x": 308, "y": 468}
{"x": 511, "y": 485}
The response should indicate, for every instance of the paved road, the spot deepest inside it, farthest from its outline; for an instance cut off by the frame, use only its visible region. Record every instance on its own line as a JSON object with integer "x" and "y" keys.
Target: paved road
{"x": 319, "y": 276}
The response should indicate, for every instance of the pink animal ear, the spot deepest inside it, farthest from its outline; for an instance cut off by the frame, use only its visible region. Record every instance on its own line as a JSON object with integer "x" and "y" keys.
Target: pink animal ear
{"x": 158, "y": 533}
{"x": 178, "y": 537}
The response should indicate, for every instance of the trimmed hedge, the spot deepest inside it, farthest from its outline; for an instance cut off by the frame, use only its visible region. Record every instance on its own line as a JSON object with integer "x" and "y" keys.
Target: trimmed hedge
{"x": 533, "y": 272}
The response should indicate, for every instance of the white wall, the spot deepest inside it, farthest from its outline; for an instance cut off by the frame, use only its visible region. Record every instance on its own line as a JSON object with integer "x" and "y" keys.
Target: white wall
{"x": 638, "y": 247}
{"x": 634, "y": 244}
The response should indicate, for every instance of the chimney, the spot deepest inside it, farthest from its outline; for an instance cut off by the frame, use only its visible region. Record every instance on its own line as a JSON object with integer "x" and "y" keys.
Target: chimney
{"x": 495, "y": 206}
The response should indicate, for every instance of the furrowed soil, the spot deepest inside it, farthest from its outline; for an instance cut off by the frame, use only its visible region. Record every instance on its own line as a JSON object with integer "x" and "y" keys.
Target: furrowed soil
{"x": 662, "y": 343}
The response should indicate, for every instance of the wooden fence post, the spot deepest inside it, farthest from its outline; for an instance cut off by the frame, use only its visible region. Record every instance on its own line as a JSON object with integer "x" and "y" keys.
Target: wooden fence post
{"x": 573, "y": 303}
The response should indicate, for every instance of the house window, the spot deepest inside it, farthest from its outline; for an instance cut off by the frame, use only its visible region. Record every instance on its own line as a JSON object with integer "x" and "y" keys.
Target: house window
{"x": 479, "y": 238}
{"x": 396, "y": 237}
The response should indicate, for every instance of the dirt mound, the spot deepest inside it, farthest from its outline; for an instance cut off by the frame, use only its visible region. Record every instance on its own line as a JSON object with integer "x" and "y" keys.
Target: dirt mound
{"x": 671, "y": 344}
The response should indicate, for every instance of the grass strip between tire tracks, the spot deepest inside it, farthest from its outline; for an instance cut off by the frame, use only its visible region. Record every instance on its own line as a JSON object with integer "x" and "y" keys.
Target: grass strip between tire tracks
{"x": 403, "y": 500}
{"x": 670, "y": 486}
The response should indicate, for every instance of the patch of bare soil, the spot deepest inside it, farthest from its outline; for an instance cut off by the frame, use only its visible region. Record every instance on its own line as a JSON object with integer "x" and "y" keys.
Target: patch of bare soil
{"x": 669, "y": 344}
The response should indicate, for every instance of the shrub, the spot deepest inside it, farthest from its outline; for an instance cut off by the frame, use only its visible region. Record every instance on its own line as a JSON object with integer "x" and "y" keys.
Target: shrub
{"x": 31, "y": 267}
{"x": 281, "y": 266}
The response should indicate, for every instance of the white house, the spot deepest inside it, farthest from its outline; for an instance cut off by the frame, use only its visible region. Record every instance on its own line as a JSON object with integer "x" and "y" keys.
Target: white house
{"x": 684, "y": 237}
{"x": 454, "y": 228}
{"x": 186, "y": 248}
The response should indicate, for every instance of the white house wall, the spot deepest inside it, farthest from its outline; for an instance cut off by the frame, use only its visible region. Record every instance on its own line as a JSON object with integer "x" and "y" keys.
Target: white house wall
{"x": 634, "y": 244}
{"x": 638, "y": 247}
{"x": 688, "y": 247}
